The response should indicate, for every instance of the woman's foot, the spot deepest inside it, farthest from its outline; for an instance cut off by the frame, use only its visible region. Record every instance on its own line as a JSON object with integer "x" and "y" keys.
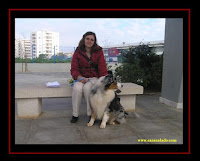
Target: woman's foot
{"x": 74, "y": 119}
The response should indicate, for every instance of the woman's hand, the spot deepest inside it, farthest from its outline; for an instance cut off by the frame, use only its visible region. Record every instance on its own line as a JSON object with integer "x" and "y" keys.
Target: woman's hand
{"x": 83, "y": 80}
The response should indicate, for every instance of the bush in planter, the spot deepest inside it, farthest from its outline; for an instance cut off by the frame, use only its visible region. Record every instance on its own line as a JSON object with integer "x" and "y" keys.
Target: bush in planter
{"x": 141, "y": 66}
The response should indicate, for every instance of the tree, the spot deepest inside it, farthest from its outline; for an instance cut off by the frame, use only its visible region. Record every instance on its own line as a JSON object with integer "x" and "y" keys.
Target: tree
{"x": 43, "y": 56}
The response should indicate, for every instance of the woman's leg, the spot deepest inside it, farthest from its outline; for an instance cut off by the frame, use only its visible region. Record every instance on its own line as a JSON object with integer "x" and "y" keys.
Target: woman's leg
{"x": 86, "y": 90}
{"x": 77, "y": 94}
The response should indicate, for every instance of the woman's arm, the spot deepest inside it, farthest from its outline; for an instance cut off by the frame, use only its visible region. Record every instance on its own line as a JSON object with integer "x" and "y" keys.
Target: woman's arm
{"x": 75, "y": 70}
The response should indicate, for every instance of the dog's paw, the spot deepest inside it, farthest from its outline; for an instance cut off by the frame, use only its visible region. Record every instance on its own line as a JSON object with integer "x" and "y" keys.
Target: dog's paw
{"x": 103, "y": 126}
{"x": 112, "y": 123}
{"x": 90, "y": 124}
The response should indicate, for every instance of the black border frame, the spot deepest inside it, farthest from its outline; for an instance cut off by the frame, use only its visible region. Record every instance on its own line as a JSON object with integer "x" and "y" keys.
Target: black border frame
{"x": 100, "y": 149}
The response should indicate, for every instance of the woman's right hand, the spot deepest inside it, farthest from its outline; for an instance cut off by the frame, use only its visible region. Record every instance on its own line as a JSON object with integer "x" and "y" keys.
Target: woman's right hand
{"x": 82, "y": 80}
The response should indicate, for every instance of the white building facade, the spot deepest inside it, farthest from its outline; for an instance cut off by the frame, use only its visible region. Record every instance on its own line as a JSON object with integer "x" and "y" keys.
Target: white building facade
{"x": 44, "y": 42}
{"x": 22, "y": 48}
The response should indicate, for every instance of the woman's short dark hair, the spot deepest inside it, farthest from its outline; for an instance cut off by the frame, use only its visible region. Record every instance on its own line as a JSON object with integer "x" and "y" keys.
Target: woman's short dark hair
{"x": 81, "y": 44}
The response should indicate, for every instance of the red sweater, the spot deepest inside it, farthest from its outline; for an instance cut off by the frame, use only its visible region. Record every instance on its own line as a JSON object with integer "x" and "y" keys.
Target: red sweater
{"x": 80, "y": 66}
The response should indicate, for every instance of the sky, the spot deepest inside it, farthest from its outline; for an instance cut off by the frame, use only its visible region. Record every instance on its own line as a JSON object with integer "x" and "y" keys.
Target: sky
{"x": 109, "y": 31}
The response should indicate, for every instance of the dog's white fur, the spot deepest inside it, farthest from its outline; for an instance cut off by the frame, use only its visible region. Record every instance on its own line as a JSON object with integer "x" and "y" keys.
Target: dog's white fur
{"x": 100, "y": 99}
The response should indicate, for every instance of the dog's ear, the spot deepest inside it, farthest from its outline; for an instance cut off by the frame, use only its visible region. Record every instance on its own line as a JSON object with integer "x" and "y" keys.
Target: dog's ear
{"x": 110, "y": 75}
{"x": 108, "y": 80}
{"x": 110, "y": 72}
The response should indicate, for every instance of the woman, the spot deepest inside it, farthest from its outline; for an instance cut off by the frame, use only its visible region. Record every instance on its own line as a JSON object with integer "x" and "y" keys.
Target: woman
{"x": 88, "y": 64}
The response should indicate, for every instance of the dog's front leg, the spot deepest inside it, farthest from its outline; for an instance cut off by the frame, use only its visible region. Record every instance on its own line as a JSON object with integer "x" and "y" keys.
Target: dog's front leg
{"x": 112, "y": 121}
{"x": 93, "y": 117}
{"x": 105, "y": 120}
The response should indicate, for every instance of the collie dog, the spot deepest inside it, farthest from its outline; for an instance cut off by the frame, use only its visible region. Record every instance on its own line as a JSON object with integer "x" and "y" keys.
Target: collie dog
{"x": 101, "y": 96}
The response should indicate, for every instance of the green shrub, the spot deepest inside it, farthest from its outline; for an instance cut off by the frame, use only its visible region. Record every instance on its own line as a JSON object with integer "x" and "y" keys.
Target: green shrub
{"x": 141, "y": 66}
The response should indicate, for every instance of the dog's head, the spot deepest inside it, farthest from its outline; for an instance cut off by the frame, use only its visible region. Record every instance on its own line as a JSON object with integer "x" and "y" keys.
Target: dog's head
{"x": 110, "y": 81}
{"x": 121, "y": 117}
{"x": 105, "y": 83}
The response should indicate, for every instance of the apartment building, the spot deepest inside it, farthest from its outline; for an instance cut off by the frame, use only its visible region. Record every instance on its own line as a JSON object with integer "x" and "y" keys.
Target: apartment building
{"x": 44, "y": 42}
{"x": 22, "y": 48}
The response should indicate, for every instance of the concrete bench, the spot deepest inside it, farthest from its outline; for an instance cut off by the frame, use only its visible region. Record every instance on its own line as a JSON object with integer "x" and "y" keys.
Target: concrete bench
{"x": 29, "y": 97}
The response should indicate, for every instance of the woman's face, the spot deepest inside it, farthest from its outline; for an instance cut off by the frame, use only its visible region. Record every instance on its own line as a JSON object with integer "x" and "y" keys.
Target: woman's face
{"x": 89, "y": 41}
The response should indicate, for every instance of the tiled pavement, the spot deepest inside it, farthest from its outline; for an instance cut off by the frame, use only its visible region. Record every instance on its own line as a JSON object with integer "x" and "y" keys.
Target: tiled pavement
{"x": 150, "y": 120}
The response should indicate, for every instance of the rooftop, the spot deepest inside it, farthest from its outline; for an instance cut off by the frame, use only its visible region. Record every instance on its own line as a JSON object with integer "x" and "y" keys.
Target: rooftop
{"x": 150, "y": 43}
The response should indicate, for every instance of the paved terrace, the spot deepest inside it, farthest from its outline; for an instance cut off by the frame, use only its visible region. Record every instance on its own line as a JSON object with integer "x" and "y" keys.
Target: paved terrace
{"x": 150, "y": 120}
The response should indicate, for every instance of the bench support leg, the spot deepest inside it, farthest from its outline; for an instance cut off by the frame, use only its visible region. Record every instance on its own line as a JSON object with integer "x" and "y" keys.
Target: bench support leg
{"x": 29, "y": 107}
{"x": 128, "y": 102}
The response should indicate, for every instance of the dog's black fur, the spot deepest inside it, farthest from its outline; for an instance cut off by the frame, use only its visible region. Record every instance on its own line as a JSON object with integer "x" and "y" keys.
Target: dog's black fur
{"x": 117, "y": 110}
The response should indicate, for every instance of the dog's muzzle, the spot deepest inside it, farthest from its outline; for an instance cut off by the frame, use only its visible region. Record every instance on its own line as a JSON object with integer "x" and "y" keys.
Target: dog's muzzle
{"x": 119, "y": 85}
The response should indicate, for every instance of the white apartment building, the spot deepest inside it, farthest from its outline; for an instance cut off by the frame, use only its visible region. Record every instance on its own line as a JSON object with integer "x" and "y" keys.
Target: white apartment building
{"x": 22, "y": 48}
{"x": 44, "y": 42}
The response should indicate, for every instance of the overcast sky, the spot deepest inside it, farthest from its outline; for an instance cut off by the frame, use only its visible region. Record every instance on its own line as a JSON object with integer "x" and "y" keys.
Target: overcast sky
{"x": 109, "y": 31}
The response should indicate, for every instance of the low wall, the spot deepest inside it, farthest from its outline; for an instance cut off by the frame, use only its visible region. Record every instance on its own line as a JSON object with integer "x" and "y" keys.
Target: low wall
{"x": 44, "y": 67}
{"x": 49, "y": 67}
